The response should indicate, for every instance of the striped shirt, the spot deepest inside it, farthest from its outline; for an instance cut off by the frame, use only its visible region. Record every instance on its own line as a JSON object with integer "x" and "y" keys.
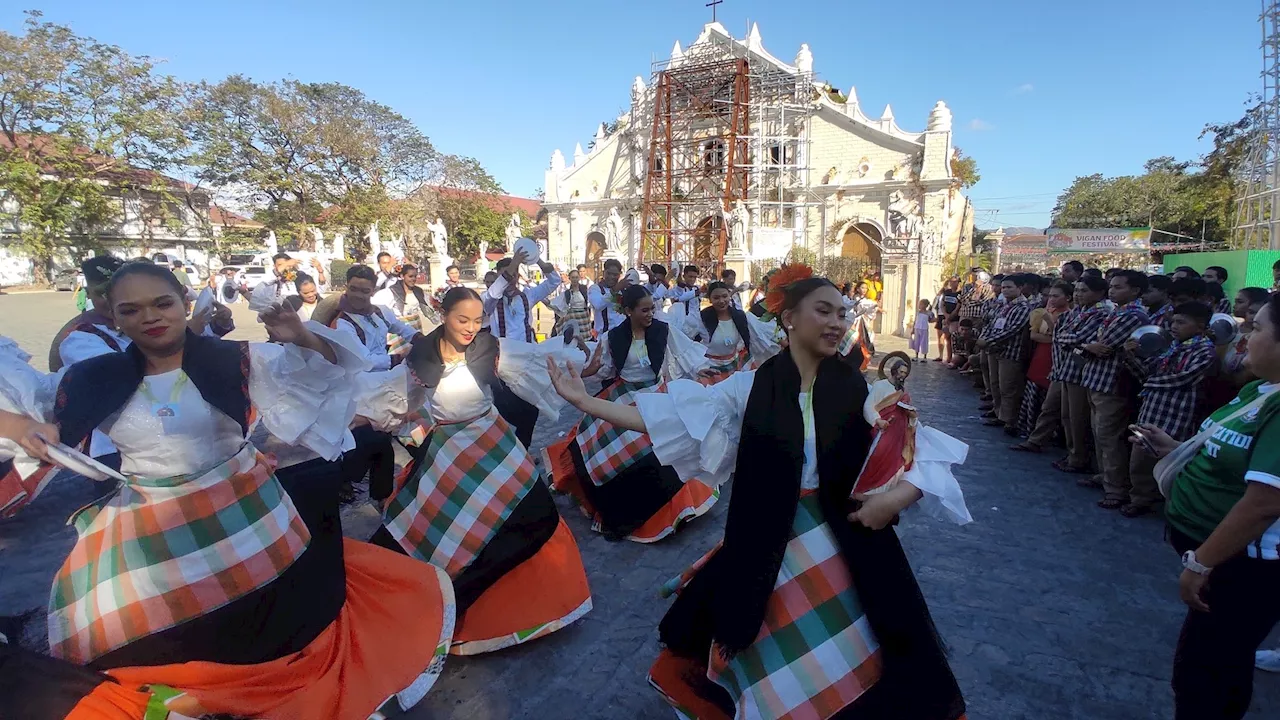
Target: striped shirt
{"x": 1170, "y": 389}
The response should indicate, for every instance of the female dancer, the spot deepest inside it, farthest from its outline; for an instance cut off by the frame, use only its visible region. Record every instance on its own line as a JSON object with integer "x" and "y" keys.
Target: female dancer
{"x": 858, "y": 334}
{"x": 808, "y": 608}
{"x": 734, "y": 338}
{"x": 201, "y": 585}
{"x": 611, "y": 471}
{"x": 470, "y": 501}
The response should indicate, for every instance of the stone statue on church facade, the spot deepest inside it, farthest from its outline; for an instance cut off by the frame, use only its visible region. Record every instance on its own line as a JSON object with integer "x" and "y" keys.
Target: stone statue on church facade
{"x": 614, "y": 229}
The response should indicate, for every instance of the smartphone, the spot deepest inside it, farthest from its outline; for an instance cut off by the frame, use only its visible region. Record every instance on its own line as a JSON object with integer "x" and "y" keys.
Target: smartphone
{"x": 1142, "y": 440}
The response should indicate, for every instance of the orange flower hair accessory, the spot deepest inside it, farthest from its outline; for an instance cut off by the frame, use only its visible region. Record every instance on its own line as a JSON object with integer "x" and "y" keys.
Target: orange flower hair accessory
{"x": 786, "y": 276}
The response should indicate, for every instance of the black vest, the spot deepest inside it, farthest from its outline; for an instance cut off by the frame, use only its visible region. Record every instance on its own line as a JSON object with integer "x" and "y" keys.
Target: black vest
{"x": 655, "y": 338}
{"x": 428, "y": 367}
{"x": 92, "y": 390}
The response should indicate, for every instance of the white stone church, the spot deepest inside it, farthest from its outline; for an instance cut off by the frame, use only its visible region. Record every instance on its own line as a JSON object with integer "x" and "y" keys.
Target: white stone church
{"x": 731, "y": 157}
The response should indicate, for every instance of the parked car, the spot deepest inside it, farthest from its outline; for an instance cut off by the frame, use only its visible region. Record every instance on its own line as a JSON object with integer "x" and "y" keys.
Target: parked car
{"x": 254, "y": 275}
{"x": 65, "y": 280}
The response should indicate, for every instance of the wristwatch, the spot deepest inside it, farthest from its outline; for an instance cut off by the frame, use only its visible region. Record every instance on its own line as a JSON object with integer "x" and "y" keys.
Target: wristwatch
{"x": 1190, "y": 563}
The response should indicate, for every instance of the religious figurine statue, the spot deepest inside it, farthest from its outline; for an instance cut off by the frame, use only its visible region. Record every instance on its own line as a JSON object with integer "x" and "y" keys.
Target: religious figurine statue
{"x": 513, "y": 231}
{"x": 439, "y": 240}
{"x": 613, "y": 230}
{"x": 903, "y": 222}
{"x": 482, "y": 263}
{"x": 739, "y": 220}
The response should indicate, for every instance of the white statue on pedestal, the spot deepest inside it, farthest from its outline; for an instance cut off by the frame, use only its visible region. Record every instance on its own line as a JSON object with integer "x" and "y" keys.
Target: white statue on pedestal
{"x": 339, "y": 246}
{"x": 439, "y": 240}
{"x": 513, "y": 231}
{"x": 375, "y": 240}
{"x": 613, "y": 230}
{"x": 482, "y": 262}
{"x": 273, "y": 246}
{"x": 738, "y": 220}
{"x": 318, "y": 237}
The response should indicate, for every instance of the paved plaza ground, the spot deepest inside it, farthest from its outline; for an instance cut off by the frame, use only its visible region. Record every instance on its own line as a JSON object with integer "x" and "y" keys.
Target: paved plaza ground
{"x": 1051, "y": 607}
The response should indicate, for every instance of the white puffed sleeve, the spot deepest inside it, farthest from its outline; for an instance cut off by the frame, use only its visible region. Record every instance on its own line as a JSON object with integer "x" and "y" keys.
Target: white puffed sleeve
{"x": 523, "y": 367}
{"x": 685, "y": 357}
{"x": 302, "y": 398}
{"x": 23, "y": 389}
{"x": 389, "y": 397}
{"x": 695, "y": 429}
{"x": 931, "y": 473}
{"x": 762, "y": 343}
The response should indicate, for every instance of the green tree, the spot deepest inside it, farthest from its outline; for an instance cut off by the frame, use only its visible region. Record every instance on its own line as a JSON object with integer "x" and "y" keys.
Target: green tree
{"x": 964, "y": 169}
{"x": 310, "y": 153}
{"x": 84, "y": 129}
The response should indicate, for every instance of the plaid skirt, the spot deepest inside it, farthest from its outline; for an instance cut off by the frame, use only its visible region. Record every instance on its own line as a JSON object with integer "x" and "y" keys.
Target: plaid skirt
{"x": 1029, "y": 413}
{"x": 161, "y": 552}
{"x": 608, "y": 450}
{"x": 815, "y": 653}
{"x": 452, "y": 501}
{"x": 722, "y": 366}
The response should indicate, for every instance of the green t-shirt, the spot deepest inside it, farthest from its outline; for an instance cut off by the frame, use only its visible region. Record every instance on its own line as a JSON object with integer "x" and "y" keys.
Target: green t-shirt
{"x": 1245, "y": 450}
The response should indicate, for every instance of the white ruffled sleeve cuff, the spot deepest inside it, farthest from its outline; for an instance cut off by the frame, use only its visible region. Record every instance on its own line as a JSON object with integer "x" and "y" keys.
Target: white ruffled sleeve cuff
{"x": 388, "y": 398}
{"x": 523, "y": 367}
{"x": 762, "y": 343}
{"x": 23, "y": 389}
{"x": 685, "y": 357}
{"x": 695, "y": 429}
{"x": 931, "y": 473}
{"x": 302, "y": 398}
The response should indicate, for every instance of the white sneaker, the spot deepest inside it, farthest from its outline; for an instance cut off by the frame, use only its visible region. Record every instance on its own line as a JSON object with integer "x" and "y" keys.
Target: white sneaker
{"x": 1267, "y": 660}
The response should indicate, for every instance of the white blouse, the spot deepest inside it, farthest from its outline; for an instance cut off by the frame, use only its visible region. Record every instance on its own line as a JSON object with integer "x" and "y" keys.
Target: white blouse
{"x": 696, "y": 429}
{"x": 388, "y": 398}
{"x": 166, "y": 428}
{"x": 725, "y": 340}
{"x": 684, "y": 358}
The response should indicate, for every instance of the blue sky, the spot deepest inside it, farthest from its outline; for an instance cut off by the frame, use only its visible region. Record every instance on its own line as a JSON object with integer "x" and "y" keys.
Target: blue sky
{"x": 1042, "y": 91}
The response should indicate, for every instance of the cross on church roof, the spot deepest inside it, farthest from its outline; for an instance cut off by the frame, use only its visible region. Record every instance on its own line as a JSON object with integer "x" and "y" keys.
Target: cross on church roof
{"x": 713, "y": 5}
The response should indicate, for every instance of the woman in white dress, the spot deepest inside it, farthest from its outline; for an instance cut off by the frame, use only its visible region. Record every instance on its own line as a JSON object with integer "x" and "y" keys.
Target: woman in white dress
{"x": 808, "y": 608}
{"x": 471, "y": 501}
{"x": 204, "y": 584}
{"x": 735, "y": 340}
{"x": 612, "y": 472}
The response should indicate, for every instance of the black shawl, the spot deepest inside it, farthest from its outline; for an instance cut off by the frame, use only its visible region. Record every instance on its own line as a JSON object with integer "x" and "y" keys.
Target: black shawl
{"x": 428, "y": 366}
{"x": 728, "y": 605}
{"x": 94, "y": 389}
{"x": 398, "y": 292}
{"x": 739, "y": 318}
{"x": 655, "y": 339}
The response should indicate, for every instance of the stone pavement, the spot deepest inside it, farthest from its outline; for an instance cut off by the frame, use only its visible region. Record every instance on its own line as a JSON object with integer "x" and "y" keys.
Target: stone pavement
{"x": 1051, "y": 607}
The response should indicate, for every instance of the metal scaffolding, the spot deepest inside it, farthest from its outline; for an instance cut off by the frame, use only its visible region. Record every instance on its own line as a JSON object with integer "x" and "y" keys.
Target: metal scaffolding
{"x": 1258, "y": 206}
{"x": 728, "y": 125}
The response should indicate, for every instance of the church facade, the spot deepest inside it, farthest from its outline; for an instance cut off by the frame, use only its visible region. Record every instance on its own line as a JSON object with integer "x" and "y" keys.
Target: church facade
{"x": 729, "y": 156}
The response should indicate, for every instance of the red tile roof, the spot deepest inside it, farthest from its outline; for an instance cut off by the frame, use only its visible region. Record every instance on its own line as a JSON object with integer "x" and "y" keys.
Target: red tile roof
{"x": 226, "y": 218}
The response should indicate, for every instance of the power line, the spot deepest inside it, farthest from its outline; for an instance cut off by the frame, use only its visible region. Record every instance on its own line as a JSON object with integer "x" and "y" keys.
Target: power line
{"x": 1014, "y": 197}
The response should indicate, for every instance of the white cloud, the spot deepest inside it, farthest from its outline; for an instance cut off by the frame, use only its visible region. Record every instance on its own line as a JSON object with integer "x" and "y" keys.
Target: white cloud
{"x": 980, "y": 125}
{"x": 1023, "y": 89}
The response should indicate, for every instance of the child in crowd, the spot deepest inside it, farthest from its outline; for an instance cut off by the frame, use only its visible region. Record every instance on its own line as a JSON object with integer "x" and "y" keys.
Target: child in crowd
{"x": 920, "y": 338}
{"x": 962, "y": 344}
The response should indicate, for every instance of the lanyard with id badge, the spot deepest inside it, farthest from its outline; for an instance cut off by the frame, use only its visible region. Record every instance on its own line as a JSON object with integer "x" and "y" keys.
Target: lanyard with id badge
{"x": 166, "y": 410}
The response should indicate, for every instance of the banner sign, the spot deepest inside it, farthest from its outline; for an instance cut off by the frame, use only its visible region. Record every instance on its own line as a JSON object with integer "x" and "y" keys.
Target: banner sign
{"x": 1103, "y": 240}
{"x": 1024, "y": 246}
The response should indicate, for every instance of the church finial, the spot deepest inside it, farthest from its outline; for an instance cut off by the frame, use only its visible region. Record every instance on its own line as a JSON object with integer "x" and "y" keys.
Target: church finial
{"x": 851, "y": 97}
{"x": 600, "y": 134}
{"x": 578, "y": 154}
{"x": 940, "y": 118}
{"x": 754, "y": 41}
{"x": 557, "y": 161}
{"x": 676, "y": 52}
{"x": 888, "y": 113}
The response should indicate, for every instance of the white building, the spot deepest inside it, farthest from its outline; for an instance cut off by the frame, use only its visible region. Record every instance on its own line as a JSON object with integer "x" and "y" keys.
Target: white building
{"x": 730, "y": 156}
